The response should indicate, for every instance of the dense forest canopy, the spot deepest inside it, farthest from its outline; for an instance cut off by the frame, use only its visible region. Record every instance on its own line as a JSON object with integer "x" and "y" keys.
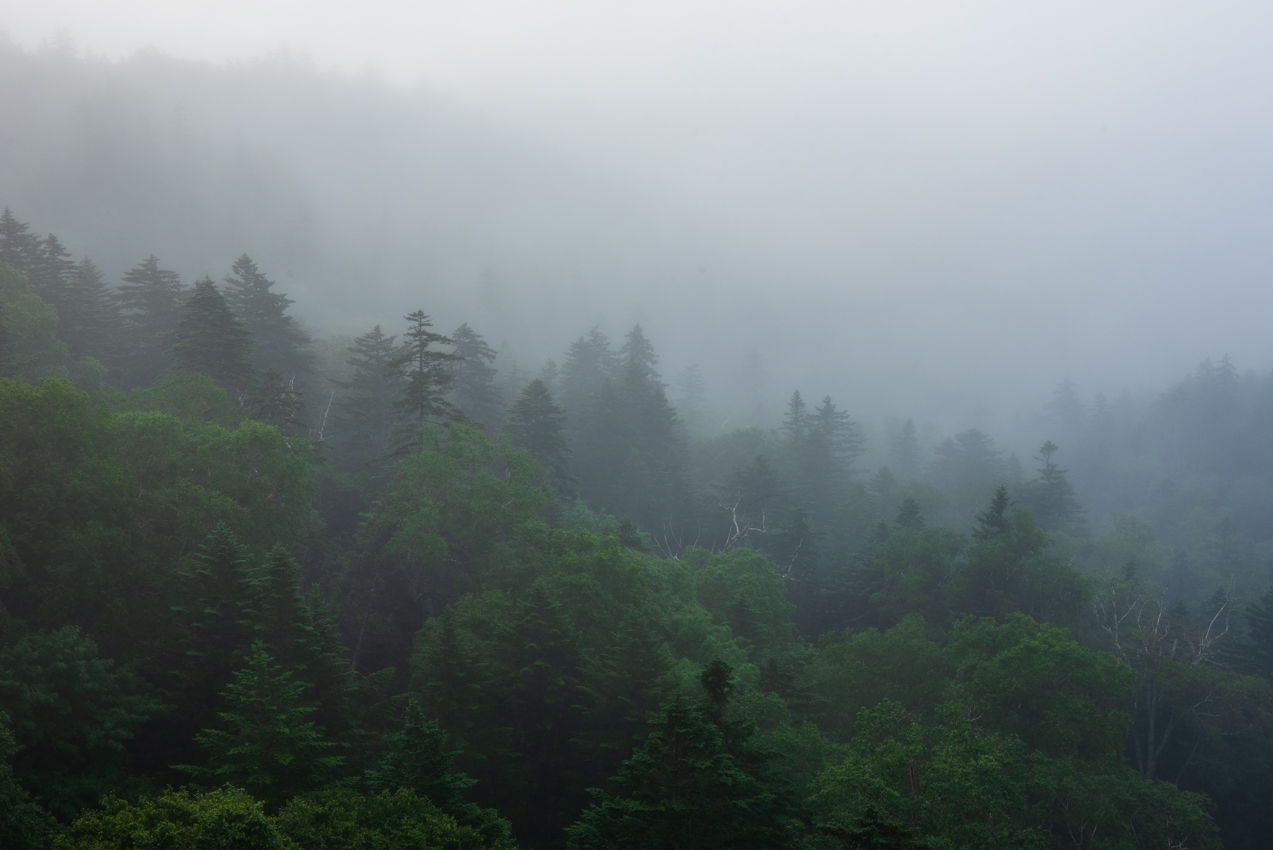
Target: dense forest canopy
{"x": 330, "y": 517}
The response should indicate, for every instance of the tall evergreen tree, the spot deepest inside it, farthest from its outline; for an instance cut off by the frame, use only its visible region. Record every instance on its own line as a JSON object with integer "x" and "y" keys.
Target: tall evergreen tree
{"x": 1050, "y": 499}
{"x": 278, "y": 342}
{"x": 209, "y": 340}
{"x": 535, "y": 425}
{"x": 90, "y": 324}
{"x": 268, "y": 745}
{"x": 473, "y": 388}
{"x": 364, "y": 426}
{"x": 995, "y": 519}
{"x": 426, "y": 375}
{"x": 18, "y": 246}
{"x": 691, "y": 398}
{"x": 50, "y": 275}
{"x": 906, "y": 453}
{"x": 150, "y": 299}
{"x": 589, "y": 364}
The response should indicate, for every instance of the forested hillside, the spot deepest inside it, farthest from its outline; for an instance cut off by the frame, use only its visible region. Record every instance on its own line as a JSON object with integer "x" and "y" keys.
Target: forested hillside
{"x": 265, "y": 585}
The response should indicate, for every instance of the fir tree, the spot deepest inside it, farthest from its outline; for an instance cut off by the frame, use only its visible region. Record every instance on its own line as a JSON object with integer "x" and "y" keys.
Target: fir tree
{"x": 90, "y": 323}
{"x": 906, "y": 453}
{"x": 1050, "y": 499}
{"x": 150, "y": 300}
{"x": 535, "y": 425}
{"x": 473, "y": 386}
{"x": 994, "y": 520}
{"x": 209, "y": 340}
{"x": 268, "y": 746}
{"x": 908, "y": 515}
{"x": 795, "y": 422}
{"x": 274, "y": 400}
{"x": 589, "y": 364}
{"x": 364, "y": 404}
{"x": 278, "y": 342}
{"x": 426, "y": 378}
{"x": 18, "y": 246}
{"x": 50, "y": 275}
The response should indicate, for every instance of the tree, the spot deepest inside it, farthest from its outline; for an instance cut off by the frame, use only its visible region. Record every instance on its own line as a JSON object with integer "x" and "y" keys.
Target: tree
{"x": 18, "y": 246}
{"x": 1050, "y": 498}
{"x": 473, "y": 388}
{"x": 50, "y": 275}
{"x": 278, "y": 342}
{"x": 589, "y": 364}
{"x": 90, "y": 321}
{"x": 24, "y": 825}
{"x": 696, "y": 769}
{"x": 222, "y": 818}
{"x": 535, "y": 425}
{"x": 208, "y": 339}
{"x": 421, "y": 761}
{"x": 905, "y": 452}
{"x": 364, "y": 426}
{"x": 267, "y": 746}
{"x": 339, "y": 819}
{"x": 426, "y": 377}
{"x": 150, "y": 300}
{"x": 994, "y": 520}
{"x": 909, "y": 516}
{"x": 691, "y": 393}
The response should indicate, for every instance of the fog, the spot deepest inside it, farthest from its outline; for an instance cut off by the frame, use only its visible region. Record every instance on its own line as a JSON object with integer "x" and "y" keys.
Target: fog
{"x": 922, "y": 210}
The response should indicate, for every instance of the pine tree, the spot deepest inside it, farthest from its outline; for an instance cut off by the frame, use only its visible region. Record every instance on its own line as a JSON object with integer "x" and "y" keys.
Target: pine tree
{"x": 363, "y": 429}
{"x": 698, "y": 782}
{"x": 278, "y": 342}
{"x": 421, "y": 760}
{"x": 150, "y": 300}
{"x": 589, "y": 364}
{"x": 18, "y": 246}
{"x": 906, "y": 453}
{"x": 91, "y": 322}
{"x": 268, "y": 746}
{"x": 473, "y": 388}
{"x": 909, "y": 516}
{"x": 994, "y": 520}
{"x": 209, "y": 340}
{"x": 535, "y": 425}
{"x": 50, "y": 276}
{"x": 426, "y": 378}
{"x": 1050, "y": 499}
{"x": 795, "y": 422}
{"x": 274, "y": 400}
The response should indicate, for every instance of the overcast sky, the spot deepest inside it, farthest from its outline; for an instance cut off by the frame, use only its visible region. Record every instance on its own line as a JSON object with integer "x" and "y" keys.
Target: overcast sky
{"x": 1092, "y": 179}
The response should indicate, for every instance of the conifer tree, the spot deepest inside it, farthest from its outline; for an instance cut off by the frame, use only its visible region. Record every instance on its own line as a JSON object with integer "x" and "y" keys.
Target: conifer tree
{"x": 209, "y": 340}
{"x": 994, "y": 520}
{"x": 473, "y": 388}
{"x": 90, "y": 323}
{"x": 50, "y": 275}
{"x": 1050, "y": 499}
{"x": 274, "y": 400}
{"x": 18, "y": 246}
{"x": 364, "y": 426}
{"x": 535, "y": 425}
{"x": 426, "y": 377}
{"x": 589, "y": 364}
{"x": 906, "y": 453}
{"x": 150, "y": 300}
{"x": 268, "y": 746}
{"x": 278, "y": 342}
{"x": 909, "y": 516}
{"x": 691, "y": 397}
{"x": 795, "y": 422}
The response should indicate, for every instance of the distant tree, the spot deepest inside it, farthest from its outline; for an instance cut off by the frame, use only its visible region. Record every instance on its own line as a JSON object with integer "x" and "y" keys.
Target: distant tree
{"x": 1257, "y": 650}
{"x": 1050, "y": 498}
{"x": 364, "y": 426}
{"x": 50, "y": 275}
{"x": 18, "y": 246}
{"x": 908, "y": 515}
{"x": 209, "y": 340}
{"x": 473, "y": 388}
{"x": 589, "y": 364}
{"x": 150, "y": 299}
{"x": 426, "y": 377}
{"x": 24, "y": 825}
{"x": 278, "y": 342}
{"x": 994, "y": 520}
{"x": 274, "y": 400}
{"x": 550, "y": 374}
{"x": 795, "y": 422}
{"x": 906, "y": 452}
{"x": 535, "y": 425}
{"x": 90, "y": 324}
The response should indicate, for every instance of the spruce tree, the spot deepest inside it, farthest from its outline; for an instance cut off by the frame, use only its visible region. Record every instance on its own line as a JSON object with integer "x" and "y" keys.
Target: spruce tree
{"x": 268, "y": 745}
{"x": 909, "y": 516}
{"x": 473, "y": 388}
{"x": 994, "y": 520}
{"x": 90, "y": 324}
{"x": 589, "y": 364}
{"x": 209, "y": 340}
{"x": 535, "y": 425}
{"x": 426, "y": 377}
{"x": 1050, "y": 499}
{"x": 364, "y": 424}
{"x": 50, "y": 276}
{"x": 795, "y": 422}
{"x": 150, "y": 300}
{"x": 18, "y": 246}
{"x": 278, "y": 342}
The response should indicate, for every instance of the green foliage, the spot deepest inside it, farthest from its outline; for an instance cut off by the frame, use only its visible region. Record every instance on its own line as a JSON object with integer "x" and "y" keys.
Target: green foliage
{"x": 224, "y": 819}
{"x": 338, "y": 819}
{"x": 268, "y": 745}
{"x": 473, "y": 388}
{"x": 535, "y": 426}
{"x": 29, "y": 344}
{"x": 425, "y": 374}
{"x": 24, "y": 825}
{"x": 209, "y": 340}
{"x": 150, "y": 301}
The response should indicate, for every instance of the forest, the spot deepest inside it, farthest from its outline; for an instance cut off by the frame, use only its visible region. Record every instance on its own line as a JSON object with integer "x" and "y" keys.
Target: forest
{"x": 263, "y": 587}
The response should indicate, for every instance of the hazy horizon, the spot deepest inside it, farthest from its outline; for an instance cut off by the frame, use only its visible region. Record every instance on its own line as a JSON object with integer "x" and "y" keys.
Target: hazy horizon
{"x": 922, "y": 211}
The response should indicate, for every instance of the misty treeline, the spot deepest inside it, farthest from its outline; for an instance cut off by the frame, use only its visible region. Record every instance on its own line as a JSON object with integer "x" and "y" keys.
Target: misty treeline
{"x": 266, "y": 586}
